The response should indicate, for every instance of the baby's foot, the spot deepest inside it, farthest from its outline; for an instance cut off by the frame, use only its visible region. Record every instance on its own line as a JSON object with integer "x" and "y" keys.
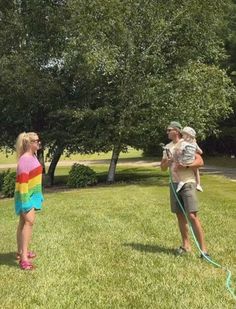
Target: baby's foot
{"x": 180, "y": 185}
{"x": 199, "y": 188}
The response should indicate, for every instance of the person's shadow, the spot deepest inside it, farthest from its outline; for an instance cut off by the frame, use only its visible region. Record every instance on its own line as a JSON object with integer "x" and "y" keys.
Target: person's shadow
{"x": 150, "y": 248}
{"x": 8, "y": 258}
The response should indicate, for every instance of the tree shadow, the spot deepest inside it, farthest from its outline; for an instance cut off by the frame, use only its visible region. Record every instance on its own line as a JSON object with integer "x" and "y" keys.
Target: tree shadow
{"x": 132, "y": 174}
{"x": 8, "y": 258}
{"x": 151, "y": 248}
{"x": 122, "y": 179}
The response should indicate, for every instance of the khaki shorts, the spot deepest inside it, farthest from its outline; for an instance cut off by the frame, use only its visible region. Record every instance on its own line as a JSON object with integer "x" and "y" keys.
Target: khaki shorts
{"x": 187, "y": 196}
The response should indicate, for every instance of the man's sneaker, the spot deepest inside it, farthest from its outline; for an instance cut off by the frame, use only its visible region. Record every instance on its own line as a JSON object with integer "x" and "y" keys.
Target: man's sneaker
{"x": 180, "y": 186}
{"x": 199, "y": 188}
{"x": 181, "y": 250}
{"x": 205, "y": 255}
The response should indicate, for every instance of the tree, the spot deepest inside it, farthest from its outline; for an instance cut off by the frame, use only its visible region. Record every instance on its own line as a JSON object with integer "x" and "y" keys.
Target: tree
{"x": 112, "y": 74}
{"x": 146, "y": 62}
{"x": 223, "y": 141}
{"x": 32, "y": 42}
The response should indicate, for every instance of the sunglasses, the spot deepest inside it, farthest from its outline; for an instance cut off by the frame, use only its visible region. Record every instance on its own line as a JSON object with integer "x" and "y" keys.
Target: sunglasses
{"x": 169, "y": 130}
{"x": 35, "y": 141}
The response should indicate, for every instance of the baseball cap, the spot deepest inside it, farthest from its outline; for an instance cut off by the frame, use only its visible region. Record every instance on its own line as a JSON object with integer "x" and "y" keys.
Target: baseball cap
{"x": 175, "y": 125}
{"x": 190, "y": 131}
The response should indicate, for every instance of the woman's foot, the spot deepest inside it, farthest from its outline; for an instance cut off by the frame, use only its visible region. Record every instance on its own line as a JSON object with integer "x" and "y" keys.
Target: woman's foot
{"x": 26, "y": 265}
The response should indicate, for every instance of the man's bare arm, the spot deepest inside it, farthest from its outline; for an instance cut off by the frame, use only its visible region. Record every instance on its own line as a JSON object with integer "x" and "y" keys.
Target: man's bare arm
{"x": 198, "y": 162}
{"x": 164, "y": 164}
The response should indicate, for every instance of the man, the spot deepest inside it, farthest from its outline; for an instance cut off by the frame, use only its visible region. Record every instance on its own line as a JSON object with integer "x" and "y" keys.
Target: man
{"x": 187, "y": 195}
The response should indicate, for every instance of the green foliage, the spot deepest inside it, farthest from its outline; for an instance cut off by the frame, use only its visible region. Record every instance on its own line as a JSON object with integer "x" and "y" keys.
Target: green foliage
{"x": 81, "y": 176}
{"x": 222, "y": 144}
{"x": 31, "y": 37}
{"x": 225, "y": 141}
{"x": 2, "y": 175}
{"x": 114, "y": 73}
{"x": 8, "y": 185}
{"x": 149, "y": 64}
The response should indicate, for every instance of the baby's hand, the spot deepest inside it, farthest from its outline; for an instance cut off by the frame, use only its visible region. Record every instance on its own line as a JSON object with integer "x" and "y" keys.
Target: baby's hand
{"x": 179, "y": 165}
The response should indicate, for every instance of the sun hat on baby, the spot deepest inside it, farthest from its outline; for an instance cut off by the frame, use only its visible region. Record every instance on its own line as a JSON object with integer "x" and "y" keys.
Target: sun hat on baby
{"x": 190, "y": 131}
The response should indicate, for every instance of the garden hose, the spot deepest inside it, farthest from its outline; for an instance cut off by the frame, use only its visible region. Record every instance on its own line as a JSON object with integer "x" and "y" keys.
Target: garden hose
{"x": 228, "y": 272}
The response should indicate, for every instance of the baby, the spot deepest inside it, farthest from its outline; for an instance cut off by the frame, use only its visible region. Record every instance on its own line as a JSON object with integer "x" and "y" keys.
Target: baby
{"x": 185, "y": 155}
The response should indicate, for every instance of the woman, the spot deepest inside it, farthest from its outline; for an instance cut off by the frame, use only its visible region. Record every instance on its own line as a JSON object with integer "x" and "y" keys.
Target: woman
{"x": 28, "y": 194}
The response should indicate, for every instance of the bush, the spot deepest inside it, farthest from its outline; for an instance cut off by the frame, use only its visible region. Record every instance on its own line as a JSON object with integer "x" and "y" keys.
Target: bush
{"x": 2, "y": 175}
{"x": 81, "y": 176}
{"x": 8, "y": 185}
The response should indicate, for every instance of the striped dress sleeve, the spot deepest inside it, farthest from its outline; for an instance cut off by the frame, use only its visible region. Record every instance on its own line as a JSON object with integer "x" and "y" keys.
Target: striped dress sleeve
{"x": 28, "y": 189}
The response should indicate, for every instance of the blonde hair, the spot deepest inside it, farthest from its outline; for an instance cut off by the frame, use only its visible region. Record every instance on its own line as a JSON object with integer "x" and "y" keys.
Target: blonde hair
{"x": 188, "y": 138}
{"x": 23, "y": 142}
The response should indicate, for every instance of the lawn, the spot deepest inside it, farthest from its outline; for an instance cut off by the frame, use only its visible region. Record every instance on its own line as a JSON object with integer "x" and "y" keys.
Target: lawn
{"x": 130, "y": 155}
{"x": 114, "y": 247}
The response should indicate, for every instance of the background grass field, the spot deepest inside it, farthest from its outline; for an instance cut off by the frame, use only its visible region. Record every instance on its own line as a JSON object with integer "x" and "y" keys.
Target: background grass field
{"x": 131, "y": 155}
{"x": 114, "y": 247}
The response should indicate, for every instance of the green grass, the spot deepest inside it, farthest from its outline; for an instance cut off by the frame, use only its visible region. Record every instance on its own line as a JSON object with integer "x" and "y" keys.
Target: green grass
{"x": 126, "y": 173}
{"x": 131, "y": 155}
{"x": 113, "y": 247}
{"x": 7, "y": 158}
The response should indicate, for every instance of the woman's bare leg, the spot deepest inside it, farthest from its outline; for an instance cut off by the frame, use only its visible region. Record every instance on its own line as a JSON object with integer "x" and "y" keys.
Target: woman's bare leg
{"x": 19, "y": 233}
{"x": 26, "y": 234}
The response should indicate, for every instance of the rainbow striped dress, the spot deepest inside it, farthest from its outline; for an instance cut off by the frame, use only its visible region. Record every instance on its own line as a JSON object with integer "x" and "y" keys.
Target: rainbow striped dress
{"x": 28, "y": 190}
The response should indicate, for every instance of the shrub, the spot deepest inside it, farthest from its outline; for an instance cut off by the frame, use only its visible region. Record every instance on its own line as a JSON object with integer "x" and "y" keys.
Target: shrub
{"x": 2, "y": 175}
{"x": 8, "y": 186}
{"x": 81, "y": 176}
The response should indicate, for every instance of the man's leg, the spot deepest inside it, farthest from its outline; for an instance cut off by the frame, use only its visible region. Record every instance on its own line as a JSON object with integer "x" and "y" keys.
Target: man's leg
{"x": 198, "y": 231}
{"x": 182, "y": 222}
{"x": 183, "y": 227}
{"x": 189, "y": 197}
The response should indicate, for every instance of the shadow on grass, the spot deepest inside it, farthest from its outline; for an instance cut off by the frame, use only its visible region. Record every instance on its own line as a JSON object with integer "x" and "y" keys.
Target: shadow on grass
{"x": 150, "y": 248}
{"x": 141, "y": 176}
{"x": 8, "y": 258}
{"x": 60, "y": 183}
{"x": 127, "y": 176}
{"x": 122, "y": 160}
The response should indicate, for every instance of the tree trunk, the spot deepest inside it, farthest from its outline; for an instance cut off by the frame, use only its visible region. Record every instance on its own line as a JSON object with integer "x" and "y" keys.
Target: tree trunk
{"x": 113, "y": 163}
{"x": 52, "y": 167}
{"x": 40, "y": 155}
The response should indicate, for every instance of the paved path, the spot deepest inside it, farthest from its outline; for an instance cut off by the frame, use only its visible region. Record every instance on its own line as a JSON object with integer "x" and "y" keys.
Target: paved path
{"x": 207, "y": 169}
{"x": 91, "y": 162}
{"x": 223, "y": 171}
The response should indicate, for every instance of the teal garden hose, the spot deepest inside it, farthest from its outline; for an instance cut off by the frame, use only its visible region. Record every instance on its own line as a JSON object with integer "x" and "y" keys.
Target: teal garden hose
{"x": 206, "y": 257}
